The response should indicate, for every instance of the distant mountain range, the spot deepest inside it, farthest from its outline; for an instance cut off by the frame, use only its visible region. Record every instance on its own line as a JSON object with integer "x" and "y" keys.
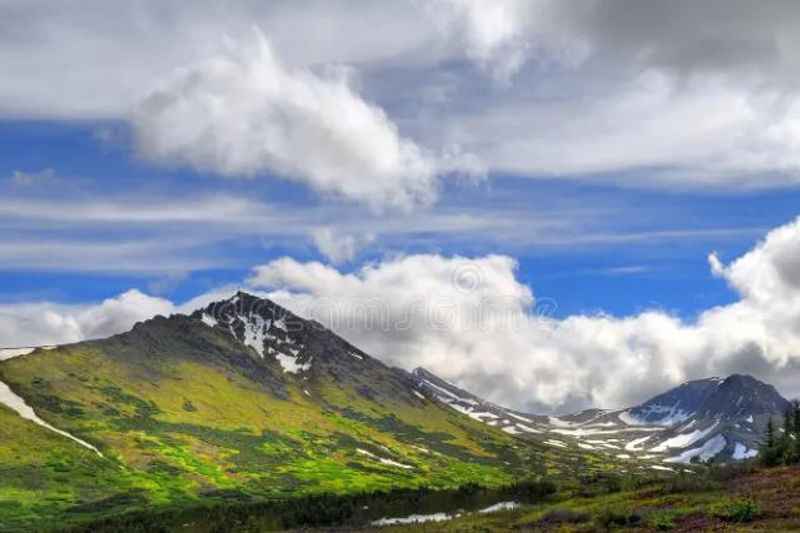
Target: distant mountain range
{"x": 243, "y": 400}
{"x": 707, "y": 419}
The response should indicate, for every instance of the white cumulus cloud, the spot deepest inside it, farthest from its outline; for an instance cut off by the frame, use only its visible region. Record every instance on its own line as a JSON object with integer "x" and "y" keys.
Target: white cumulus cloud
{"x": 36, "y": 324}
{"x": 473, "y": 321}
{"x": 244, "y": 113}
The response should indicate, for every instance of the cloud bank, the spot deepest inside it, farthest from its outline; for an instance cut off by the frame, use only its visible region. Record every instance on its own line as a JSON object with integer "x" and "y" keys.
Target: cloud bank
{"x": 472, "y": 321}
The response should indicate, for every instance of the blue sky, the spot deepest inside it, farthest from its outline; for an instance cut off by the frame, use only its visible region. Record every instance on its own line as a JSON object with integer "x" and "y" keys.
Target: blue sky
{"x": 629, "y": 170}
{"x": 643, "y": 248}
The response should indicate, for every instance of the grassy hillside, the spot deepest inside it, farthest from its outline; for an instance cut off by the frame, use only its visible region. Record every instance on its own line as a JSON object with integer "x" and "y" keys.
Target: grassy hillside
{"x": 42, "y": 473}
{"x": 185, "y": 414}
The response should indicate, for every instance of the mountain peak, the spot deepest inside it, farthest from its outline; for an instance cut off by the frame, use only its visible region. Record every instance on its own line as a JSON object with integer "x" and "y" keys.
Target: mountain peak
{"x": 743, "y": 395}
{"x": 677, "y": 404}
{"x": 428, "y": 379}
{"x": 422, "y": 372}
{"x": 742, "y": 380}
{"x": 264, "y": 326}
{"x": 302, "y": 347}
{"x": 246, "y": 302}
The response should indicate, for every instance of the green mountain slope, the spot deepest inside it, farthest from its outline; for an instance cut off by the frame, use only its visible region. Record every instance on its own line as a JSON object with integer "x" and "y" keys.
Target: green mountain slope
{"x": 241, "y": 400}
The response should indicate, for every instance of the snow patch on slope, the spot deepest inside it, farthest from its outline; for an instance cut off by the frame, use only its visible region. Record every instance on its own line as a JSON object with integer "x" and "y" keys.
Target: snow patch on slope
{"x": 209, "y": 320}
{"x": 520, "y": 418}
{"x": 394, "y": 463}
{"x": 741, "y": 452}
{"x": 290, "y": 364}
{"x": 255, "y": 332}
{"x": 9, "y": 353}
{"x": 383, "y": 460}
{"x": 684, "y": 440}
{"x": 559, "y": 423}
{"x": 16, "y": 403}
{"x": 635, "y": 445}
{"x": 705, "y": 452}
{"x": 584, "y": 432}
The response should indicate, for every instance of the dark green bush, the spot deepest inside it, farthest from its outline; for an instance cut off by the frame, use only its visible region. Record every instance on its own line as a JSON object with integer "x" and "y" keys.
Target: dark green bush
{"x": 738, "y": 510}
{"x": 722, "y": 473}
{"x": 690, "y": 483}
{"x": 662, "y": 520}
{"x": 563, "y": 516}
{"x": 600, "y": 483}
{"x": 611, "y": 518}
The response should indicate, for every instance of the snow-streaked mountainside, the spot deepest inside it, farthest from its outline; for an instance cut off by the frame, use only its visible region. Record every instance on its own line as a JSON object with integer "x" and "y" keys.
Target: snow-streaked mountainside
{"x": 708, "y": 419}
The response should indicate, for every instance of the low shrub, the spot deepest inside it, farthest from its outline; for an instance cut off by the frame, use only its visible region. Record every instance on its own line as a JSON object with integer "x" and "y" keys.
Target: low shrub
{"x": 530, "y": 491}
{"x": 600, "y": 483}
{"x": 722, "y": 473}
{"x": 564, "y": 516}
{"x": 739, "y": 510}
{"x": 611, "y": 518}
{"x": 690, "y": 483}
{"x": 662, "y": 520}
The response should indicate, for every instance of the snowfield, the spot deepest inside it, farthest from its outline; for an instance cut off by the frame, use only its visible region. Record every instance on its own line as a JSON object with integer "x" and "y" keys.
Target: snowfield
{"x": 710, "y": 449}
